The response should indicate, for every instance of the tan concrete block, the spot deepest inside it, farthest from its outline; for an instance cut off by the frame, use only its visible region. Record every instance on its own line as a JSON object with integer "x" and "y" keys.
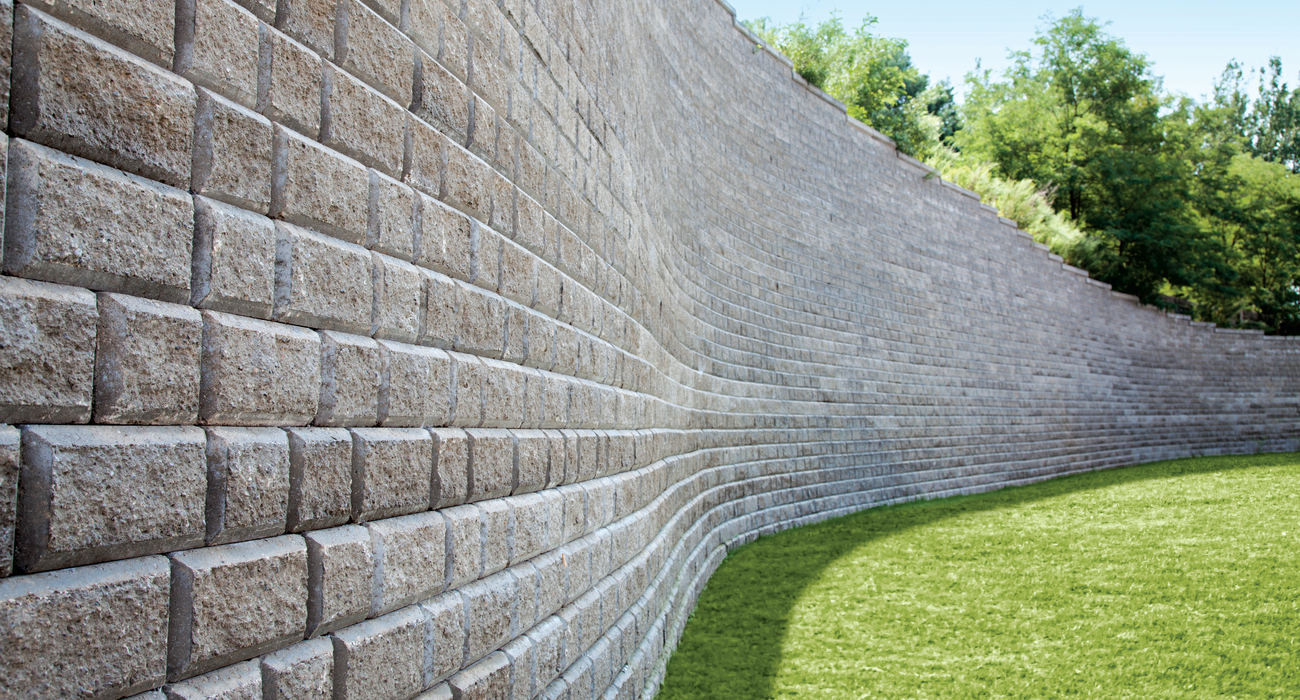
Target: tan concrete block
{"x": 146, "y": 28}
{"x": 489, "y": 610}
{"x": 309, "y": 21}
{"x": 76, "y": 222}
{"x": 495, "y": 515}
{"x": 424, "y": 158}
{"x": 399, "y": 300}
{"x": 47, "y": 369}
{"x": 10, "y": 459}
{"x": 552, "y": 584}
{"x": 548, "y": 637}
{"x": 516, "y": 342}
{"x": 503, "y": 394}
{"x": 482, "y": 324}
{"x": 446, "y": 239}
{"x": 234, "y": 602}
{"x": 289, "y": 89}
{"x": 522, "y": 658}
{"x": 248, "y": 483}
{"x": 360, "y": 122}
{"x": 238, "y": 682}
{"x": 417, "y": 386}
{"x": 486, "y": 680}
{"x": 340, "y": 578}
{"x": 218, "y": 48}
{"x": 482, "y": 139}
{"x": 96, "y": 493}
{"x": 441, "y": 99}
{"x": 442, "y": 691}
{"x": 375, "y": 51}
{"x": 316, "y": 187}
{"x": 533, "y": 460}
{"x": 39, "y": 614}
{"x": 322, "y": 282}
{"x": 320, "y": 478}
{"x": 392, "y": 469}
{"x": 451, "y": 467}
{"x": 558, "y": 465}
{"x": 304, "y": 671}
{"x": 441, "y": 321}
{"x": 410, "y": 560}
{"x": 232, "y": 153}
{"x": 234, "y": 260}
{"x": 146, "y": 361}
{"x": 351, "y": 373}
{"x": 393, "y": 215}
{"x": 453, "y": 54}
{"x": 467, "y": 182}
{"x": 381, "y": 658}
{"x": 518, "y": 273}
{"x": 257, "y": 373}
{"x": 96, "y": 101}
{"x": 485, "y": 259}
{"x": 465, "y": 535}
{"x": 531, "y": 517}
{"x": 491, "y": 463}
{"x": 541, "y": 342}
{"x": 467, "y": 378}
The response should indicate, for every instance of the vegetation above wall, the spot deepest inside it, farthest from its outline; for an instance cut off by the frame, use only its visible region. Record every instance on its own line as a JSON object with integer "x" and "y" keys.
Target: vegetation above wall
{"x": 1194, "y": 206}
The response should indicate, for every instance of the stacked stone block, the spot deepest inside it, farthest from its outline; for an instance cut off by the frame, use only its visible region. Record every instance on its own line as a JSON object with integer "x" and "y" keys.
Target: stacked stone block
{"x": 442, "y": 348}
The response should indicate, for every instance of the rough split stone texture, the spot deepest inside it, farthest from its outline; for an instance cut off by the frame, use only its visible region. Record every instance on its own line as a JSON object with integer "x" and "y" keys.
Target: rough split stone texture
{"x": 500, "y": 335}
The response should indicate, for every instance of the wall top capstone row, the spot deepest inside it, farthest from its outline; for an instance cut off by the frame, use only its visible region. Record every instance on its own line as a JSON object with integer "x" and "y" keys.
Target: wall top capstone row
{"x": 442, "y": 348}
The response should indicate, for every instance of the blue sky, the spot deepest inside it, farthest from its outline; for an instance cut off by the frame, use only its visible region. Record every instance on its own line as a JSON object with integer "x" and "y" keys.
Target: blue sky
{"x": 1189, "y": 42}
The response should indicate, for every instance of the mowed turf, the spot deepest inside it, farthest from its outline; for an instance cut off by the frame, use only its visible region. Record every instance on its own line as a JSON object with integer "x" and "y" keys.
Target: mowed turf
{"x": 1175, "y": 579}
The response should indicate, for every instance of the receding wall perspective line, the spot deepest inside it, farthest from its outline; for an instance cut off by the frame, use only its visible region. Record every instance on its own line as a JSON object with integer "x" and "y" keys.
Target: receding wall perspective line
{"x": 442, "y": 348}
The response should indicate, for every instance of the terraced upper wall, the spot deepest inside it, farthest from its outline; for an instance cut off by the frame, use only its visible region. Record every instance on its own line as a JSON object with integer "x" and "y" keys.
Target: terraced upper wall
{"x": 375, "y": 349}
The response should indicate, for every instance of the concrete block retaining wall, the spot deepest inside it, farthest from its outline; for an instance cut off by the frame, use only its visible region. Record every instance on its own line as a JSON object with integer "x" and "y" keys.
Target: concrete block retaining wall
{"x": 441, "y": 348}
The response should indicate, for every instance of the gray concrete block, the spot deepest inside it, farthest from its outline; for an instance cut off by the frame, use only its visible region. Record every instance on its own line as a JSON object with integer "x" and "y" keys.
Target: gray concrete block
{"x": 381, "y": 658}
{"x": 70, "y": 98}
{"x": 489, "y": 611}
{"x": 392, "y": 469}
{"x": 38, "y": 614}
{"x": 72, "y": 221}
{"x": 482, "y": 322}
{"x": 351, "y": 377}
{"x": 410, "y": 560}
{"x": 533, "y": 456}
{"x": 451, "y": 467}
{"x": 238, "y": 682}
{"x": 491, "y": 463}
{"x": 399, "y": 300}
{"x": 47, "y": 369}
{"x": 322, "y": 282}
{"x": 495, "y": 515}
{"x": 416, "y": 389}
{"x": 10, "y": 459}
{"x": 440, "y": 323}
{"x": 234, "y": 602}
{"x": 146, "y": 361}
{"x": 393, "y": 216}
{"x": 257, "y": 373}
{"x": 340, "y": 578}
{"x": 504, "y": 394}
{"x": 446, "y": 239}
{"x": 467, "y": 407}
{"x": 234, "y": 260}
{"x": 465, "y": 541}
{"x": 320, "y": 478}
{"x": 304, "y": 671}
{"x": 98, "y": 493}
{"x": 248, "y": 483}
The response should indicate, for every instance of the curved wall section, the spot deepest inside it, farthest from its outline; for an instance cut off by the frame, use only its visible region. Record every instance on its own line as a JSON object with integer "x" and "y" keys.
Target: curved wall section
{"x": 441, "y": 348}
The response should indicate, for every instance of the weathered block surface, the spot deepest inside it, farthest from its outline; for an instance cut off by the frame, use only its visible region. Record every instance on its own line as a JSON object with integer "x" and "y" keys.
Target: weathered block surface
{"x": 48, "y": 362}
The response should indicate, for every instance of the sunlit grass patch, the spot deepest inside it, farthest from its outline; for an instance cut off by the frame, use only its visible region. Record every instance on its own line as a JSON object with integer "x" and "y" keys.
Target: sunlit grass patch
{"x": 1173, "y": 579}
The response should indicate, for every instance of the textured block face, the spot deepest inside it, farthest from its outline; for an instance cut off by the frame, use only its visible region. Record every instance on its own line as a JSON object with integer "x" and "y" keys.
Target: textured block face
{"x": 392, "y": 469}
{"x": 232, "y": 154}
{"x": 238, "y": 682}
{"x": 47, "y": 369}
{"x": 341, "y": 567}
{"x": 146, "y": 29}
{"x": 495, "y": 516}
{"x": 440, "y": 321}
{"x": 39, "y": 614}
{"x": 481, "y": 330}
{"x": 147, "y": 361}
{"x": 9, "y": 460}
{"x": 248, "y": 483}
{"x": 451, "y": 467}
{"x": 322, "y": 282}
{"x": 76, "y": 222}
{"x": 351, "y": 376}
{"x": 303, "y": 671}
{"x": 320, "y": 478}
{"x": 489, "y": 607}
{"x": 234, "y": 260}
{"x": 289, "y": 91}
{"x": 222, "y": 50}
{"x": 310, "y": 22}
{"x": 381, "y": 658}
{"x": 411, "y": 557}
{"x": 258, "y": 373}
{"x": 491, "y": 463}
{"x": 376, "y": 51}
{"x": 234, "y": 602}
{"x": 316, "y": 187}
{"x": 392, "y": 217}
{"x": 417, "y": 385}
{"x": 89, "y": 98}
{"x": 399, "y": 300}
{"x": 359, "y": 121}
{"x": 98, "y": 493}
{"x": 487, "y": 679}
{"x": 444, "y": 99}
{"x": 444, "y": 636}
{"x": 465, "y": 537}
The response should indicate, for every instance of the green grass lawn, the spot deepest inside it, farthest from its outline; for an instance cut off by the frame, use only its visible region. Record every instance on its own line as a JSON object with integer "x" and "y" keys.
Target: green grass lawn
{"x": 1173, "y": 579}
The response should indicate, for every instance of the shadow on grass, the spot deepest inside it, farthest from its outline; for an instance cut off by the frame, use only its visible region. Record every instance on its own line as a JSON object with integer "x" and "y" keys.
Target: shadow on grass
{"x": 732, "y": 644}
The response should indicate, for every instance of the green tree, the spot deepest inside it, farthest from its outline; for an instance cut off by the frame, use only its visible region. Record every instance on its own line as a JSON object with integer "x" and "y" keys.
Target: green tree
{"x": 1081, "y": 114}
